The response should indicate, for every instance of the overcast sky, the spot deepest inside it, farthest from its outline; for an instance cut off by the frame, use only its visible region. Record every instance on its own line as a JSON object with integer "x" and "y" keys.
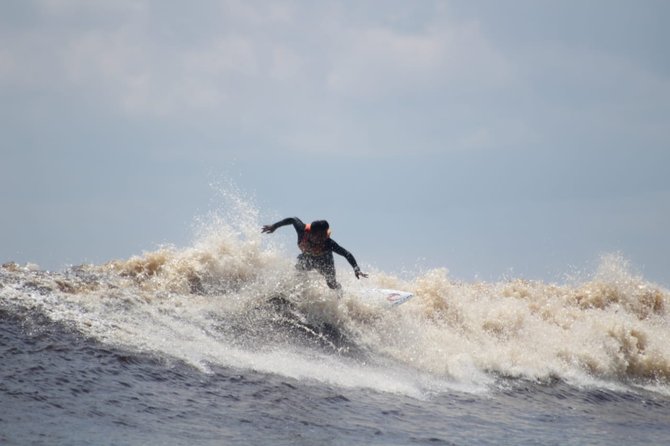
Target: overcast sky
{"x": 517, "y": 138}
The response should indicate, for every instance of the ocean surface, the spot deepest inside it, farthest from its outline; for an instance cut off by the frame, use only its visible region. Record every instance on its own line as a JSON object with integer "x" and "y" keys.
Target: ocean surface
{"x": 221, "y": 343}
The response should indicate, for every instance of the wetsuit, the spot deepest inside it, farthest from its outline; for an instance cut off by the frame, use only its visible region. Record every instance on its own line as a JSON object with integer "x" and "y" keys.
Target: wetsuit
{"x": 318, "y": 257}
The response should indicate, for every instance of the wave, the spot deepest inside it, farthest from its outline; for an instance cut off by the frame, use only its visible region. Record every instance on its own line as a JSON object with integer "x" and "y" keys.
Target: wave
{"x": 232, "y": 299}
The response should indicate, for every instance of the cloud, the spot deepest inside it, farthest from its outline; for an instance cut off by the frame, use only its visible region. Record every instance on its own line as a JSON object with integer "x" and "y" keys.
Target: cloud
{"x": 126, "y": 59}
{"x": 143, "y": 77}
{"x": 379, "y": 61}
{"x": 314, "y": 77}
{"x": 286, "y": 63}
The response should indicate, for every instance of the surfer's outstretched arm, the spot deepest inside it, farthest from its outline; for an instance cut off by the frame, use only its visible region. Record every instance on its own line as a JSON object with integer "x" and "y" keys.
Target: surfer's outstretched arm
{"x": 295, "y": 221}
{"x": 349, "y": 256}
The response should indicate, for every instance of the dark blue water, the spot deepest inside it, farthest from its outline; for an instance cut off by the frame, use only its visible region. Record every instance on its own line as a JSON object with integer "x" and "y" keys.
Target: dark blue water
{"x": 58, "y": 387}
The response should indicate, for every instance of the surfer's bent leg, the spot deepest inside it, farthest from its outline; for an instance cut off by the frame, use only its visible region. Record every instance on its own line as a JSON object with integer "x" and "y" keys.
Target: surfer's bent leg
{"x": 302, "y": 266}
{"x": 326, "y": 266}
{"x": 303, "y": 263}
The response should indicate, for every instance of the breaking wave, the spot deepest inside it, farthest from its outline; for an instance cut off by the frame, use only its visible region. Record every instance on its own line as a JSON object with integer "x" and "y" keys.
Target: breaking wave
{"x": 232, "y": 299}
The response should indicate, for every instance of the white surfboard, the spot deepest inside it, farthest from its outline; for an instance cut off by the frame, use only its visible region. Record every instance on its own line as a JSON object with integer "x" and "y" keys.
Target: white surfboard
{"x": 385, "y": 297}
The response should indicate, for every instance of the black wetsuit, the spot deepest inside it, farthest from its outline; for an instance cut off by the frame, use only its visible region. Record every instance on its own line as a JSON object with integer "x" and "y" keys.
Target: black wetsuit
{"x": 323, "y": 263}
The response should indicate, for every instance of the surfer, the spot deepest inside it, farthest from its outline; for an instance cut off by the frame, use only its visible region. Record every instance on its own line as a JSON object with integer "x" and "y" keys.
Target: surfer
{"x": 317, "y": 249}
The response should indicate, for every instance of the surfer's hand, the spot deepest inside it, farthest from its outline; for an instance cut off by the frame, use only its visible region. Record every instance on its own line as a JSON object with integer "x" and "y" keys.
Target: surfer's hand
{"x": 359, "y": 274}
{"x": 268, "y": 229}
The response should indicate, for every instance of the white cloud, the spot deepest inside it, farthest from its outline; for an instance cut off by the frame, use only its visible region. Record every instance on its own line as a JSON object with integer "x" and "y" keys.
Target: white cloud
{"x": 143, "y": 77}
{"x": 286, "y": 63}
{"x": 378, "y": 57}
{"x": 317, "y": 81}
{"x": 122, "y": 57}
{"x": 381, "y": 61}
{"x": 117, "y": 52}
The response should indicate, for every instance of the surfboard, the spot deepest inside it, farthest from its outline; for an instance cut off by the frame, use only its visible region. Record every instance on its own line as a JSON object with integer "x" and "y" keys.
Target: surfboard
{"x": 385, "y": 297}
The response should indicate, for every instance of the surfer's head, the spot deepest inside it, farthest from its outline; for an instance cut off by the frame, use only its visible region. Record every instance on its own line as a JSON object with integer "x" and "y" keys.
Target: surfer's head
{"x": 320, "y": 227}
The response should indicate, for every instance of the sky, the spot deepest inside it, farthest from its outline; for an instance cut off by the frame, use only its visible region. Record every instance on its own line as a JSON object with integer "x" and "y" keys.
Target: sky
{"x": 522, "y": 139}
